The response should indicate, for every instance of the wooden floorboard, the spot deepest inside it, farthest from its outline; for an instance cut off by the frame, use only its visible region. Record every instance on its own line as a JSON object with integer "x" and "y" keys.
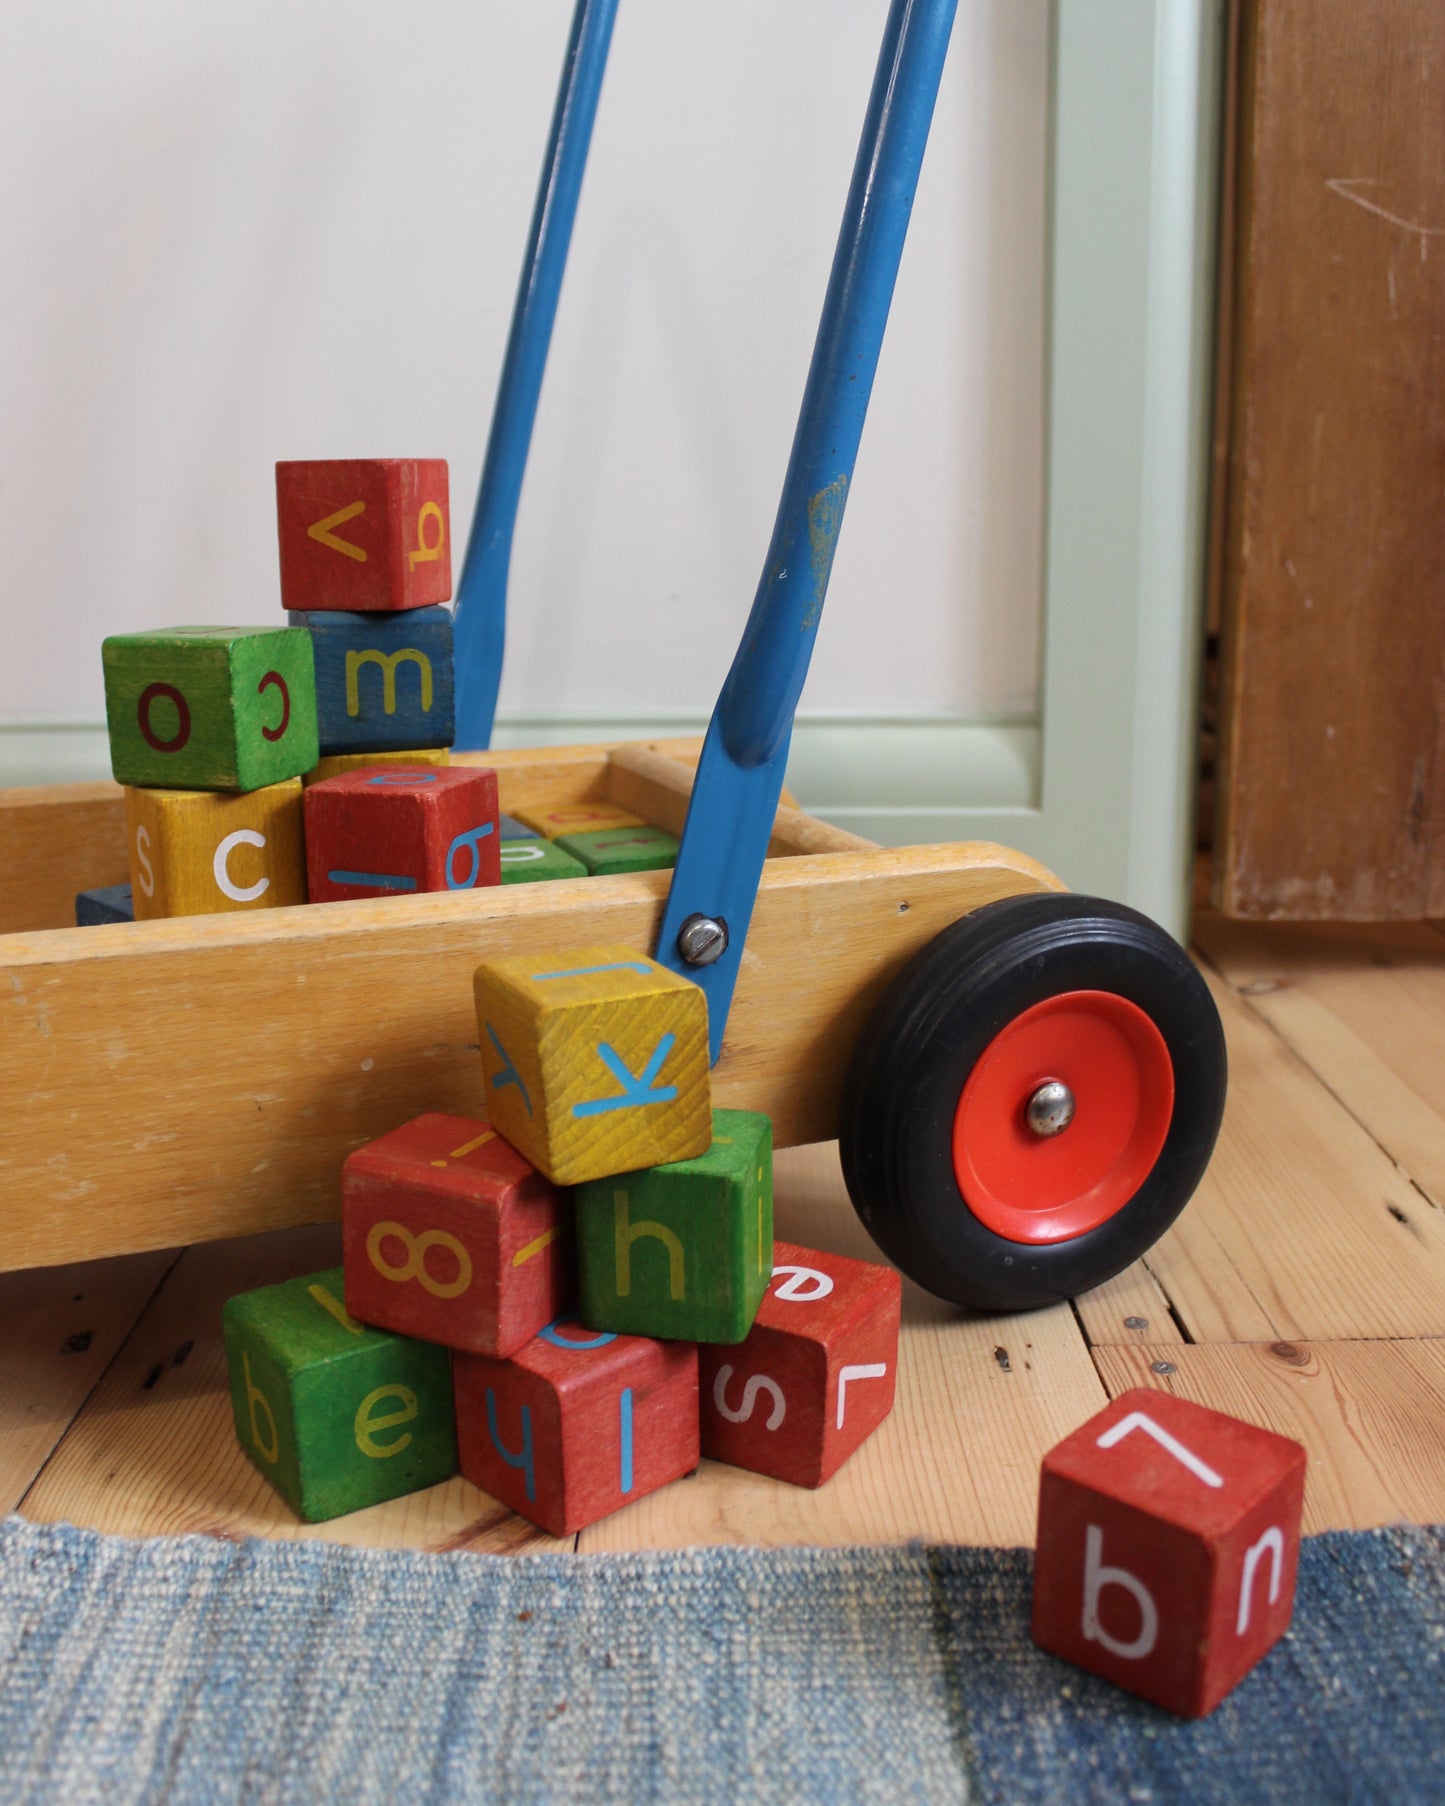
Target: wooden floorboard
{"x": 1370, "y": 1414}
{"x": 1365, "y": 1008}
{"x": 60, "y": 1328}
{"x": 1303, "y": 1288}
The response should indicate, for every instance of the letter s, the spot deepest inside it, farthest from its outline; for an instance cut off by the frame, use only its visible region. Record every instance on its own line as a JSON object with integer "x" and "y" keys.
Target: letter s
{"x": 760, "y": 1382}
{"x": 144, "y": 874}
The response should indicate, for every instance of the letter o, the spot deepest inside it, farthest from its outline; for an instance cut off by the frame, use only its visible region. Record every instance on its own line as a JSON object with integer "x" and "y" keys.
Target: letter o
{"x": 148, "y": 698}
{"x": 238, "y": 893}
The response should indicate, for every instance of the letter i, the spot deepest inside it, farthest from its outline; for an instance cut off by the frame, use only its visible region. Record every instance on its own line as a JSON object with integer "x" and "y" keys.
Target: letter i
{"x": 624, "y": 1424}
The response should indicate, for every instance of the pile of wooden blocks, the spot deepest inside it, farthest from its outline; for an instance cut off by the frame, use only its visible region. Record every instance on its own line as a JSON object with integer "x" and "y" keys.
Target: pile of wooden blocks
{"x": 267, "y": 766}
{"x": 574, "y": 1298}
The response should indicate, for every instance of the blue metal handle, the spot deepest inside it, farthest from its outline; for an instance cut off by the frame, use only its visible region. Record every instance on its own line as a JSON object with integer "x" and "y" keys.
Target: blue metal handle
{"x": 740, "y": 774}
{"x": 480, "y": 625}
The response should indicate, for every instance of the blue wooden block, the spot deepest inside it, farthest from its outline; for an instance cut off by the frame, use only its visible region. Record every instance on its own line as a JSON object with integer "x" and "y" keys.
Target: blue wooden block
{"x": 512, "y": 829}
{"x": 111, "y": 903}
{"x": 383, "y": 680}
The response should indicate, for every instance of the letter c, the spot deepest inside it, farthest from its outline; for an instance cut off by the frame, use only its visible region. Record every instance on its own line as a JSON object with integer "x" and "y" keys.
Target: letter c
{"x": 274, "y": 680}
{"x": 238, "y": 893}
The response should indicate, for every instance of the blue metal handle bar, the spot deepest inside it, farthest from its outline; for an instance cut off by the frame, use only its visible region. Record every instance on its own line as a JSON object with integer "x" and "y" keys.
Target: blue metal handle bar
{"x": 740, "y": 773}
{"x": 480, "y": 624}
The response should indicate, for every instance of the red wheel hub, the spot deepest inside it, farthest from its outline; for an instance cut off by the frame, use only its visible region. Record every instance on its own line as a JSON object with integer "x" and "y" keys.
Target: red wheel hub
{"x": 1032, "y": 1188}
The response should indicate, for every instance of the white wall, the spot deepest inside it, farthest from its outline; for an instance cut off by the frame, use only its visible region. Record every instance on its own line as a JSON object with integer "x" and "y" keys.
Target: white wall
{"x": 237, "y": 230}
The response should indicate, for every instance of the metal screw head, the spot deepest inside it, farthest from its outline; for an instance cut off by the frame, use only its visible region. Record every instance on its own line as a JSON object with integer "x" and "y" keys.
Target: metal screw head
{"x": 702, "y": 940}
{"x": 1050, "y": 1110}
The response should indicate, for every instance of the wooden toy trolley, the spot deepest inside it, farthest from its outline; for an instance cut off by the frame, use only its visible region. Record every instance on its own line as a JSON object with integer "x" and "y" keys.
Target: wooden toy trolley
{"x": 1026, "y": 1084}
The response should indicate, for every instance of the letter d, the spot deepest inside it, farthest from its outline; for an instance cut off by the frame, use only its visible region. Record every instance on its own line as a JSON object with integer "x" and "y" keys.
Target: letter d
{"x": 1096, "y": 1578}
{"x": 255, "y": 1396}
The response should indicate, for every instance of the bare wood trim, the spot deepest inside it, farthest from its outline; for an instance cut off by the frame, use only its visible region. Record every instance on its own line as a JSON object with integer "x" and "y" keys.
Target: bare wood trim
{"x": 657, "y": 786}
{"x": 180, "y": 1080}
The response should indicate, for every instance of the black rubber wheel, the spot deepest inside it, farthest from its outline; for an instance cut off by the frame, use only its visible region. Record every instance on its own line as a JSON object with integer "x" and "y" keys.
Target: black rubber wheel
{"x": 938, "y": 1025}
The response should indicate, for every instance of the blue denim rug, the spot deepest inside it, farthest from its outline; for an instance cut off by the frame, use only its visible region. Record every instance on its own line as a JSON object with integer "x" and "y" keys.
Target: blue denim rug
{"x": 191, "y": 1670}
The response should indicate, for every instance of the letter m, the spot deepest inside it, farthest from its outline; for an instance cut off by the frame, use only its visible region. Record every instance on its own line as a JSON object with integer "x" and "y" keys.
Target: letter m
{"x": 388, "y": 661}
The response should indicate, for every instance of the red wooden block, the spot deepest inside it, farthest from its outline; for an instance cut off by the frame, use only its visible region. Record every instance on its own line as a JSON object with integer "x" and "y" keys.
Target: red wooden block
{"x": 378, "y": 833}
{"x": 577, "y": 1424}
{"x": 815, "y": 1377}
{"x": 364, "y": 533}
{"x": 448, "y": 1234}
{"x": 1167, "y": 1547}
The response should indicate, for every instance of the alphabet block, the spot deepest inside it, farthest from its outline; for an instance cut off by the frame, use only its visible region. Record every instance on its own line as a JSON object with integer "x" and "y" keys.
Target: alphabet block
{"x": 111, "y": 903}
{"x": 1167, "y": 1547}
{"x": 684, "y": 1250}
{"x": 402, "y": 829}
{"x": 575, "y": 818}
{"x": 577, "y": 1425}
{"x": 450, "y": 1235}
{"x": 595, "y": 1061}
{"x": 613, "y": 850}
{"x": 193, "y": 852}
{"x": 210, "y": 708}
{"x": 511, "y": 829}
{"x": 335, "y": 1415}
{"x": 363, "y": 534}
{"x": 528, "y": 861}
{"x": 333, "y": 764}
{"x": 382, "y": 680}
{"x": 815, "y": 1377}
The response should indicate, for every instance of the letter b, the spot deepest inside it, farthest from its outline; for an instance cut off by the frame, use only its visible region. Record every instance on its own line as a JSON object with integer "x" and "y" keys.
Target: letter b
{"x": 1096, "y": 1578}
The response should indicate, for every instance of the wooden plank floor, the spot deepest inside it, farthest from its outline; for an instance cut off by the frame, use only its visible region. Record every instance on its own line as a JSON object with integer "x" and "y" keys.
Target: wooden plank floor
{"x": 1303, "y": 1288}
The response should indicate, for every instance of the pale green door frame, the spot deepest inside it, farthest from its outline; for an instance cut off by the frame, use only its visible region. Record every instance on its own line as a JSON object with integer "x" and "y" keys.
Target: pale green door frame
{"x": 1101, "y": 786}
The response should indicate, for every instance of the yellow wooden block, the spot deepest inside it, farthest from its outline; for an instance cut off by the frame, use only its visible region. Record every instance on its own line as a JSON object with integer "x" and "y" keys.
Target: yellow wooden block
{"x": 335, "y": 763}
{"x": 576, "y": 818}
{"x": 596, "y": 1061}
{"x": 197, "y": 851}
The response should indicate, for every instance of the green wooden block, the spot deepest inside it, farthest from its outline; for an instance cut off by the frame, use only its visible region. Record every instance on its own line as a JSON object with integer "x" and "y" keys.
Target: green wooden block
{"x": 683, "y": 1251}
{"x": 526, "y": 861}
{"x": 337, "y": 1416}
{"x": 607, "y": 850}
{"x": 210, "y": 708}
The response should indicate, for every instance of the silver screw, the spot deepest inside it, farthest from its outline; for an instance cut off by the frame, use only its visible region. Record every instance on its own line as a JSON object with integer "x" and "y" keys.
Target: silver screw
{"x": 1162, "y": 1367}
{"x": 1050, "y": 1110}
{"x": 702, "y": 940}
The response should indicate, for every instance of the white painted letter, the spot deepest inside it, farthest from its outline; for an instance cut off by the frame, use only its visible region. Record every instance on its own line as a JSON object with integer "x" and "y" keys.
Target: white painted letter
{"x": 247, "y": 837}
{"x": 874, "y": 1370}
{"x": 142, "y": 855}
{"x": 1273, "y": 1541}
{"x": 1096, "y": 1578}
{"x": 758, "y": 1383}
{"x": 1136, "y": 1420}
{"x": 791, "y": 1290}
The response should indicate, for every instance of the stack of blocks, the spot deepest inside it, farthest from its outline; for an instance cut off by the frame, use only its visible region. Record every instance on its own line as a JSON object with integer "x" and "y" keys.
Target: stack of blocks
{"x": 598, "y": 1256}
{"x": 213, "y": 730}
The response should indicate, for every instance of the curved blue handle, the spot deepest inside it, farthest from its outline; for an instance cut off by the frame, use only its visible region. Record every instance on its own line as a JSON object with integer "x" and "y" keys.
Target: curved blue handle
{"x": 740, "y": 774}
{"x": 480, "y": 625}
